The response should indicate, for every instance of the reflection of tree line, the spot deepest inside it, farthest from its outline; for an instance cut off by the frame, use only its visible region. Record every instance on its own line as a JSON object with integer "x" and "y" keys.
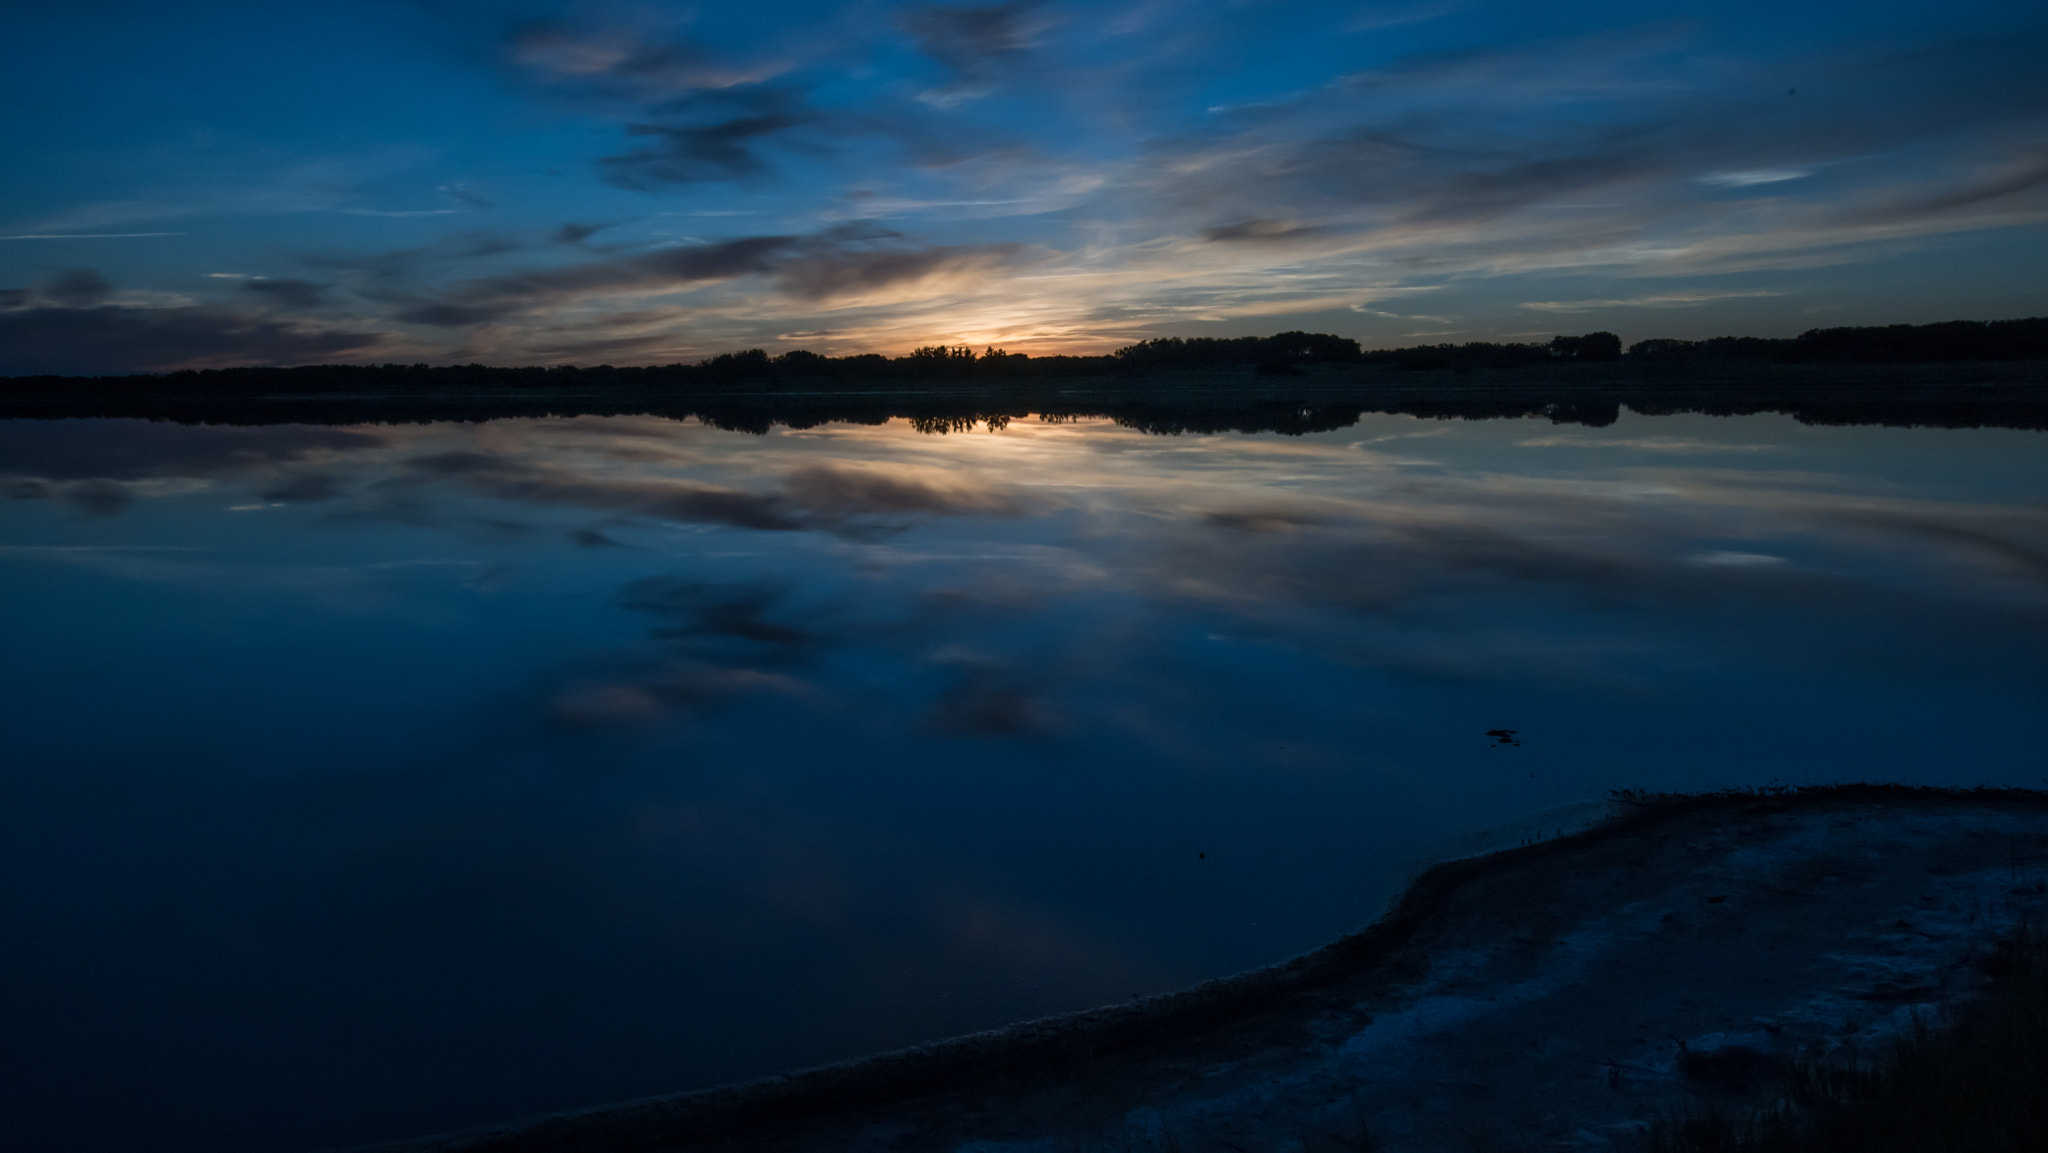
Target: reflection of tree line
{"x": 1946, "y": 375}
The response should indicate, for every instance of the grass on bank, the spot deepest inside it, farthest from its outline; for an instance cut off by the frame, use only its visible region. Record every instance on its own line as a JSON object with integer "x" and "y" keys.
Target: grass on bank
{"x": 1977, "y": 1082}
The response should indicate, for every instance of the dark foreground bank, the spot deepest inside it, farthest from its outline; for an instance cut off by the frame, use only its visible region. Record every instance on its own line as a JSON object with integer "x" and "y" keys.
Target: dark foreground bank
{"x": 1565, "y": 992}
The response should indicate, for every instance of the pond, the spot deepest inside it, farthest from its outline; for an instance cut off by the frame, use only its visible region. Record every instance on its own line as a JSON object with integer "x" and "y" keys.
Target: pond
{"x": 377, "y": 779}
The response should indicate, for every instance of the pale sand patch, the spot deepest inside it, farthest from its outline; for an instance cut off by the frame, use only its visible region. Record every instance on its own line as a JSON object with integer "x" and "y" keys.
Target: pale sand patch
{"x": 1535, "y": 997}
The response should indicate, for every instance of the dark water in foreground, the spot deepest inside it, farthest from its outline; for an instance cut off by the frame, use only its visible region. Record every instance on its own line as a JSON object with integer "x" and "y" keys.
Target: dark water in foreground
{"x": 364, "y": 781}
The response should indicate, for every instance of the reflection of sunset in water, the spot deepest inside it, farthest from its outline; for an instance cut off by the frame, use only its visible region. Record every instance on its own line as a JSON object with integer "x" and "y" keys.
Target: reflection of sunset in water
{"x": 600, "y": 757}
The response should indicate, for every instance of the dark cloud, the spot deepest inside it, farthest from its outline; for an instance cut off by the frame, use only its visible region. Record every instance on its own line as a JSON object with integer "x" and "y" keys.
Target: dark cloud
{"x": 13, "y": 297}
{"x": 665, "y": 269}
{"x": 616, "y": 62}
{"x": 573, "y": 233}
{"x": 591, "y": 538}
{"x": 113, "y": 339}
{"x": 477, "y": 245}
{"x": 2030, "y": 173}
{"x": 604, "y": 349}
{"x": 722, "y": 150}
{"x": 973, "y": 41}
{"x": 1255, "y": 230}
{"x": 286, "y": 292}
{"x": 826, "y": 274}
{"x": 1473, "y": 135}
{"x": 845, "y": 259}
{"x": 382, "y": 275}
{"x": 78, "y": 288}
{"x": 469, "y": 198}
{"x": 452, "y": 315}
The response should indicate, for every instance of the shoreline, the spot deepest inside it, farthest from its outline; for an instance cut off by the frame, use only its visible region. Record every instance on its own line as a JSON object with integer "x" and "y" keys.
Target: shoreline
{"x": 2011, "y": 396}
{"x": 1195, "y": 1064}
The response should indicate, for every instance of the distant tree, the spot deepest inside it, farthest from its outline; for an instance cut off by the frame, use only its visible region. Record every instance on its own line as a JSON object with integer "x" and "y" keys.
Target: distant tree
{"x": 1659, "y": 349}
{"x": 752, "y": 362}
{"x": 1599, "y": 346}
{"x": 1591, "y": 346}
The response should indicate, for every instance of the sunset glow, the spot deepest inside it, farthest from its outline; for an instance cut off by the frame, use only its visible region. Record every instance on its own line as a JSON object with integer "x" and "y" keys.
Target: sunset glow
{"x": 232, "y": 183}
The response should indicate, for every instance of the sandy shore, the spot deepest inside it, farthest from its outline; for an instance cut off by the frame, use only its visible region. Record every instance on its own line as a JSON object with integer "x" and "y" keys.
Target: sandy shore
{"x": 1553, "y": 995}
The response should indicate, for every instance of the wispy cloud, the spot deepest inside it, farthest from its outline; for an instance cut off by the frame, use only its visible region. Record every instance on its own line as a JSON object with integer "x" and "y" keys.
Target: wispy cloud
{"x": 1753, "y": 176}
{"x": 1682, "y": 299}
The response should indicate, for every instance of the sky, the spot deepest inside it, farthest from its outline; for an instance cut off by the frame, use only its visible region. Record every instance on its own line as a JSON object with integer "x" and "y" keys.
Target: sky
{"x": 454, "y": 181}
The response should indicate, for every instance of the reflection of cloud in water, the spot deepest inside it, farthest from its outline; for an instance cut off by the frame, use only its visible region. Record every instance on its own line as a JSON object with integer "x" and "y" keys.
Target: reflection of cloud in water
{"x": 951, "y": 751}
{"x": 717, "y": 642}
{"x": 868, "y": 489}
{"x": 97, "y": 497}
{"x": 695, "y": 610}
{"x": 303, "y": 488}
{"x": 989, "y": 697}
{"x": 1677, "y": 446}
{"x": 656, "y": 691}
{"x": 843, "y": 498}
{"x": 136, "y": 449}
{"x": 1726, "y": 559}
{"x": 1262, "y": 521}
{"x": 678, "y": 500}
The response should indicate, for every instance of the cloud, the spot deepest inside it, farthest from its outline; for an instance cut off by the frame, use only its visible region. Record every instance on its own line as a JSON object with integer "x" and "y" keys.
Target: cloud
{"x": 78, "y": 288}
{"x": 663, "y": 270}
{"x": 723, "y": 148}
{"x": 627, "y": 60}
{"x": 1681, "y": 299}
{"x": 845, "y": 261}
{"x": 116, "y": 339}
{"x": 1754, "y": 176}
{"x": 286, "y": 292}
{"x": 2021, "y": 175}
{"x": 703, "y": 114}
{"x": 826, "y": 273}
{"x": 974, "y": 41}
{"x": 1260, "y": 230}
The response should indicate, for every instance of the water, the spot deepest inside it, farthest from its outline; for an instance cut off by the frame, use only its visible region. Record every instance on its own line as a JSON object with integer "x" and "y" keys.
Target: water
{"x": 374, "y": 780}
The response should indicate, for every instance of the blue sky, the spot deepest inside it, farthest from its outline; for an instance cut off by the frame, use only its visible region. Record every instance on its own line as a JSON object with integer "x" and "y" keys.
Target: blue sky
{"x": 450, "y": 181}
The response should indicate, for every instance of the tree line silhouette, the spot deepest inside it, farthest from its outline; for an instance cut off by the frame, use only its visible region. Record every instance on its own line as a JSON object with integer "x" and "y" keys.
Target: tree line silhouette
{"x": 1280, "y": 355}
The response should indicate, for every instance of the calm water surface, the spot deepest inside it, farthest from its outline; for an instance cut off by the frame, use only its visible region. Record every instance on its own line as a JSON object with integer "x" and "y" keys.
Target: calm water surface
{"x": 370, "y": 780}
